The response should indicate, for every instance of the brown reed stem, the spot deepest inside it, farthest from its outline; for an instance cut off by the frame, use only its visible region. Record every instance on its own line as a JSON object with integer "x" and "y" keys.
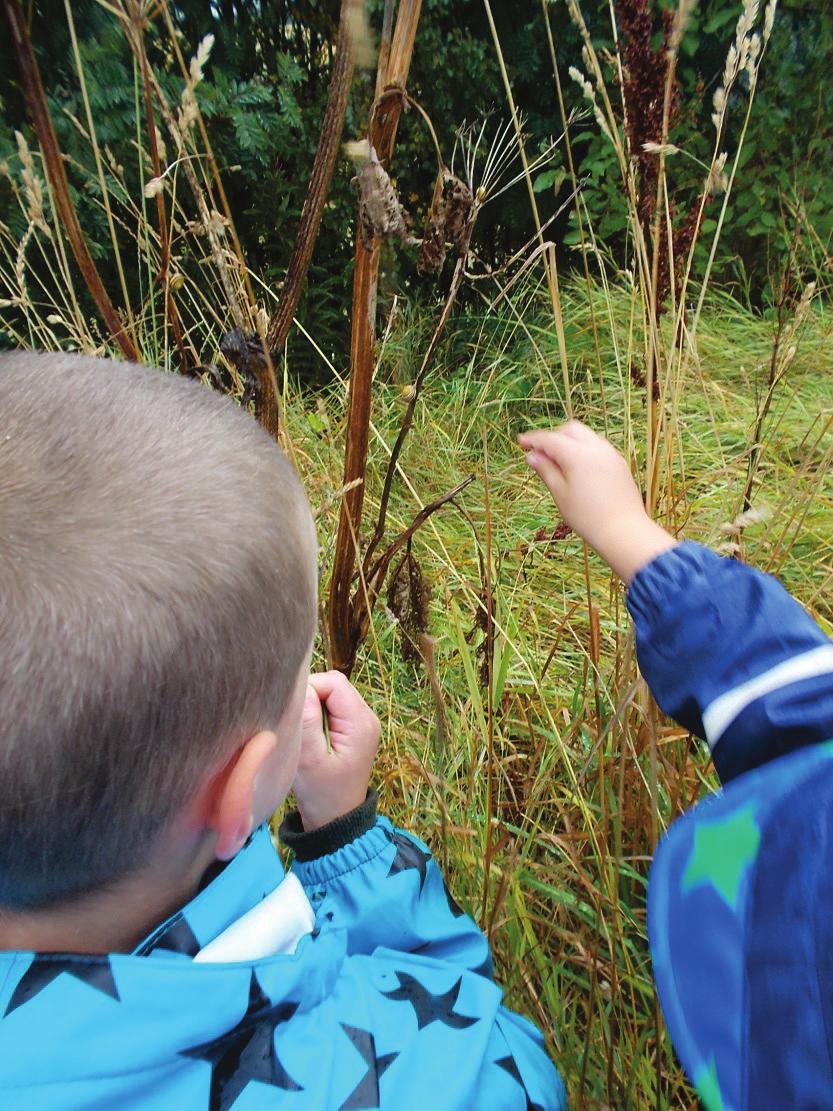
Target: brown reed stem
{"x": 54, "y": 164}
{"x": 323, "y": 165}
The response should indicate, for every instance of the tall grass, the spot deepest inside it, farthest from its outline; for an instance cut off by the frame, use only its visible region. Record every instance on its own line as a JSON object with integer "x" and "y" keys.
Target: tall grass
{"x": 545, "y": 792}
{"x": 529, "y": 754}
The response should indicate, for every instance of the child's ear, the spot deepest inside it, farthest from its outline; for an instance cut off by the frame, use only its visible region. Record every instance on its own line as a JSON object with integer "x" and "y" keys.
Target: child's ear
{"x": 231, "y": 808}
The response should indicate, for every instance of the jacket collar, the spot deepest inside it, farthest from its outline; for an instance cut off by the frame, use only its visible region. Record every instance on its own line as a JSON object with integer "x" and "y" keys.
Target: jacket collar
{"x": 227, "y": 892}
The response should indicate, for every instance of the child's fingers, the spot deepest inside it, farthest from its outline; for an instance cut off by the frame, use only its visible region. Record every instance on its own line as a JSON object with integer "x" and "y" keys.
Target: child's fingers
{"x": 549, "y": 472}
{"x": 345, "y": 706}
{"x": 558, "y": 446}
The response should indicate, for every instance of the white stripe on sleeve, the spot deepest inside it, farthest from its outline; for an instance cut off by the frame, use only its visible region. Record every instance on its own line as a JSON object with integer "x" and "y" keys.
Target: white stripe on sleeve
{"x": 718, "y": 716}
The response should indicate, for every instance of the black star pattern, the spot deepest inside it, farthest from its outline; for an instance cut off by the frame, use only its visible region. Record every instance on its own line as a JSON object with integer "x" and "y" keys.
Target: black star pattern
{"x": 408, "y": 856}
{"x": 366, "y": 1093}
{"x": 486, "y": 969}
{"x": 176, "y": 937}
{"x": 428, "y": 1007}
{"x": 247, "y": 1052}
{"x": 510, "y": 1065}
{"x": 48, "y": 966}
{"x": 453, "y": 905}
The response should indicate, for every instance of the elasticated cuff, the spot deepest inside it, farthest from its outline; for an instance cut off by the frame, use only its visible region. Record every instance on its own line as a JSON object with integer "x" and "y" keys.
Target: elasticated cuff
{"x": 656, "y": 584}
{"x": 331, "y": 837}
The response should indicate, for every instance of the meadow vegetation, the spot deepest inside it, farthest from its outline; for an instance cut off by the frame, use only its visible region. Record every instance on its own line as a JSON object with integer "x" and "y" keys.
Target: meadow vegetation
{"x": 519, "y": 739}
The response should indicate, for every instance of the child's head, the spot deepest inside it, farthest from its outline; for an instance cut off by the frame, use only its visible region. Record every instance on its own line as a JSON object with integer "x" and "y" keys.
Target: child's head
{"x": 158, "y": 594}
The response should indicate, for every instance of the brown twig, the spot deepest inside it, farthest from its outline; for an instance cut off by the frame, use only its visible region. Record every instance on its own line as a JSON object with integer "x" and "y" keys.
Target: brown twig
{"x": 362, "y": 607}
{"x": 326, "y": 153}
{"x": 408, "y": 417}
{"x": 54, "y": 164}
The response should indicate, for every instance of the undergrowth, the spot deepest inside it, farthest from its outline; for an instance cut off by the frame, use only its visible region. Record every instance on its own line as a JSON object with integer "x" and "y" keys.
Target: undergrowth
{"x": 538, "y": 796}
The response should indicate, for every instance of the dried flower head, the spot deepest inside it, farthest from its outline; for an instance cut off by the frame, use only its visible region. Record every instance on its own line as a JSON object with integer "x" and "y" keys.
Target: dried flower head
{"x": 155, "y": 186}
{"x": 380, "y": 213}
{"x": 32, "y": 184}
{"x": 409, "y": 597}
{"x": 717, "y": 182}
{"x": 200, "y": 59}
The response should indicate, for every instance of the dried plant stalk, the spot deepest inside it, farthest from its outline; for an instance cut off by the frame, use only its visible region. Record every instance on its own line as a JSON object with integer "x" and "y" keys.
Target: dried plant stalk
{"x": 326, "y": 153}
{"x": 382, "y": 133}
{"x": 53, "y": 161}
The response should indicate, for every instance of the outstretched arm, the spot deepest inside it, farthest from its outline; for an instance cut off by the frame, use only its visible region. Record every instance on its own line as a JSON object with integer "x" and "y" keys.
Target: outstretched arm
{"x": 725, "y": 650}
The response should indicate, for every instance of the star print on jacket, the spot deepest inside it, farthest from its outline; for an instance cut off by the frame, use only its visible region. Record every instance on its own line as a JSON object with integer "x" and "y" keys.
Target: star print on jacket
{"x": 247, "y": 1052}
{"x": 366, "y": 1092}
{"x": 428, "y": 1007}
{"x": 510, "y": 1065}
{"x": 378, "y": 1007}
{"x": 175, "y": 936}
{"x": 46, "y": 967}
{"x": 408, "y": 856}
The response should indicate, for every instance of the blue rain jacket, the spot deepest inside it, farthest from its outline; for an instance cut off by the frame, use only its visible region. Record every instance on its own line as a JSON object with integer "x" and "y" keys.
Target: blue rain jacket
{"x": 389, "y": 1002}
{"x": 740, "y": 900}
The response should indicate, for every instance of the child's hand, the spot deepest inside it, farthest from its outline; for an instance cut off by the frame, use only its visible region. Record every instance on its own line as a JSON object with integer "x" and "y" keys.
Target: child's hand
{"x": 331, "y": 783}
{"x": 596, "y": 495}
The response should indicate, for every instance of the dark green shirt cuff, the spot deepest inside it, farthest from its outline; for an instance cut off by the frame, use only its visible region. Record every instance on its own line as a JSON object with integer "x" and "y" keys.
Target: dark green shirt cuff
{"x": 331, "y": 837}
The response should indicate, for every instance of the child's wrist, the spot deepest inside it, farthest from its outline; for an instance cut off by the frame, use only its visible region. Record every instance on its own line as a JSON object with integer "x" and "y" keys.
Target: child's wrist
{"x": 321, "y": 812}
{"x": 637, "y": 544}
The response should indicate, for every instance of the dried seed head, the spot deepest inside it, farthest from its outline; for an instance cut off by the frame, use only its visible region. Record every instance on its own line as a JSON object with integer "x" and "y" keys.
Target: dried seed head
{"x": 660, "y": 148}
{"x": 409, "y": 597}
{"x": 200, "y": 59}
{"x": 681, "y": 17}
{"x": 358, "y": 151}
{"x": 155, "y": 186}
{"x": 717, "y": 181}
{"x": 380, "y": 213}
{"x": 754, "y": 53}
{"x": 433, "y": 249}
{"x": 730, "y": 69}
{"x": 449, "y": 221}
{"x": 590, "y": 94}
{"x": 459, "y": 203}
{"x": 32, "y": 184}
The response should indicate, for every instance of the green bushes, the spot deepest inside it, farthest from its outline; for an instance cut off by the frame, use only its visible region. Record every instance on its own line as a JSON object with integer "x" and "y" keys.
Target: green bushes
{"x": 266, "y": 85}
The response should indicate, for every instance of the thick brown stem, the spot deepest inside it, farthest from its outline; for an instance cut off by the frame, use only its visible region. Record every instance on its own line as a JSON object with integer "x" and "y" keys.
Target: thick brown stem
{"x": 319, "y": 184}
{"x": 53, "y": 162}
{"x": 344, "y": 634}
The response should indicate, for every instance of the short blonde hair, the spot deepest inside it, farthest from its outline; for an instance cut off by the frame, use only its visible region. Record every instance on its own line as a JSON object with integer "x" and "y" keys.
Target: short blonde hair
{"x": 158, "y": 592}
